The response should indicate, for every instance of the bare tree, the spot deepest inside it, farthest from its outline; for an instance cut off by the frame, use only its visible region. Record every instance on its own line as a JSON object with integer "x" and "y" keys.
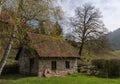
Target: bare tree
{"x": 87, "y": 24}
{"x": 100, "y": 45}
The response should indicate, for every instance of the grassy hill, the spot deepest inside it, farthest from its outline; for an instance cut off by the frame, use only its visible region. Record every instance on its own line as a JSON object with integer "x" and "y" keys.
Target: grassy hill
{"x": 87, "y": 57}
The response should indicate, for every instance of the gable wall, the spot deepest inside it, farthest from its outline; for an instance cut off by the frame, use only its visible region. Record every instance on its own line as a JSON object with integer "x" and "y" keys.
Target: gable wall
{"x": 24, "y": 65}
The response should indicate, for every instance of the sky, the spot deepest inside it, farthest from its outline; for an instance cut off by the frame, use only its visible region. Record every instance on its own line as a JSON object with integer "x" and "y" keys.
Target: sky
{"x": 110, "y": 10}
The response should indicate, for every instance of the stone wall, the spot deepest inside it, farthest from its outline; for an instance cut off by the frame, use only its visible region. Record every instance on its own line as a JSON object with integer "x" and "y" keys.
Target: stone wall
{"x": 24, "y": 65}
{"x": 61, "y": 69}
{"x": 40, "y": 65}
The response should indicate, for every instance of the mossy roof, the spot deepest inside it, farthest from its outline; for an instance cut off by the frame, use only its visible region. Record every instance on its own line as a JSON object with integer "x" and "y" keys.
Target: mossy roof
{"x": 48, "y": 46}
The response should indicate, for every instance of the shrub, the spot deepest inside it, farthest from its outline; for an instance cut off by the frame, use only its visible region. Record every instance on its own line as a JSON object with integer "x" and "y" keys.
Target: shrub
{"x": 11, "y": 69}
{"x": 107, "y": 67}
{"x": 99, "y": 63}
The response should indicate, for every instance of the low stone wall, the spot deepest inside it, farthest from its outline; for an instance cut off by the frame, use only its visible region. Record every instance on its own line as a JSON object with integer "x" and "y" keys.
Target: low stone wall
{"x": 89, "y": 69}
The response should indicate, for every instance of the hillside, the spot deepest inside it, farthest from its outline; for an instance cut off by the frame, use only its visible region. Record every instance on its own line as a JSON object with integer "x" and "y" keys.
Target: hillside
{"x": 114, "y": 39}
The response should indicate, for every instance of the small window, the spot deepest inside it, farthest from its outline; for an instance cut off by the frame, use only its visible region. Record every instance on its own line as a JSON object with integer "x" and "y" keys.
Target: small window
{"x": 53, "y": 65}
{"x": 67, "y": 64}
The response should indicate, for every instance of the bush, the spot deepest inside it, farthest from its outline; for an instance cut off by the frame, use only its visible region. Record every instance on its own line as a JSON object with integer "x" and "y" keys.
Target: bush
{"x": 11, "y": 69}
{"x": 107, "y": 67}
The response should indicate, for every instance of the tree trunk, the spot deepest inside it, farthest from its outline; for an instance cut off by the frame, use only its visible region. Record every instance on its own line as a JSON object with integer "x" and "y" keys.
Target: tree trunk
{"x": 81, "y": 48}
{"x": 7, "y": 51}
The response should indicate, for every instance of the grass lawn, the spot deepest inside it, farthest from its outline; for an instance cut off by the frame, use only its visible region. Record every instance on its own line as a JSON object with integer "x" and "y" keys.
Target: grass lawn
{"x": 71, "y": 79}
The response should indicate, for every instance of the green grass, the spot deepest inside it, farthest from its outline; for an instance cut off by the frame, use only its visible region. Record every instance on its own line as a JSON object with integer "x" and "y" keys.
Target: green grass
{"x": 71, "y": 79}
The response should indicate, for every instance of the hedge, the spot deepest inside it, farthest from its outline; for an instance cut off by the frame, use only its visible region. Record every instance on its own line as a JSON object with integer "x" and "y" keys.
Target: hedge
{"x": 11, "y": 69}
{"x": 107, "y": 67}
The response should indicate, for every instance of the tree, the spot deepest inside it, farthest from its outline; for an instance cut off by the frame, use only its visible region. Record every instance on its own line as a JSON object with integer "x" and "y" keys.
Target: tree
{"x": 87, "y": 24}
{"x": 56, "y": 30}
{"x": 99, "y": 46}
{"x": 21, "y": 12}
{"x": 1, "y": 4}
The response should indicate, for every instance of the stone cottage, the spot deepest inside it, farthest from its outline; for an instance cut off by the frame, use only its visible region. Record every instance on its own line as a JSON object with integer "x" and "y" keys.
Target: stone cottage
{"x": 46, "y": 56}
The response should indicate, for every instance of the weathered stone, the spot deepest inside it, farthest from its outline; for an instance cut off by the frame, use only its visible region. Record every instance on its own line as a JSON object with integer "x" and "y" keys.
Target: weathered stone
{"x": 40, "y": 65}
{"x": 61, "y": 69}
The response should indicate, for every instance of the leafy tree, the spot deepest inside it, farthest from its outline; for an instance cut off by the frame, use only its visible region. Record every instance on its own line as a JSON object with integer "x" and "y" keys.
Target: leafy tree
{"x": 21, "y": 12}
{"x": 56, "y": 30}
